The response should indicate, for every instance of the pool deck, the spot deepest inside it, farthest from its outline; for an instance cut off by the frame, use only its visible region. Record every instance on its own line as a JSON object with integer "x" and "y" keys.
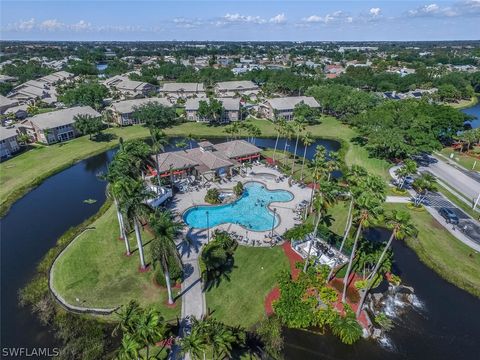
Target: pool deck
{"x": 285, "y": 210}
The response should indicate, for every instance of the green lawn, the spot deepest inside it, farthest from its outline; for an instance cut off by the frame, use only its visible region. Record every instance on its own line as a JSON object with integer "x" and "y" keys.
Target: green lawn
{"x": 95, "y": 270}
{"x": 240, "y": 301}
{"x": 30, "y": 168}
{"x": 463, "y": 104}
{"x": 465, "y": 160}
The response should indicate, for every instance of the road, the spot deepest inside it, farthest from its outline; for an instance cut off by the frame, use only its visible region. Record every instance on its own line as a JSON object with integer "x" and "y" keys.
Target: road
{"x": 455, "y": 178}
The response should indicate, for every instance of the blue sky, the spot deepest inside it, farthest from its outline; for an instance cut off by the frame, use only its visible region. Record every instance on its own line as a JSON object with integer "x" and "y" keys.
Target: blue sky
{"x": 240, "y": 20}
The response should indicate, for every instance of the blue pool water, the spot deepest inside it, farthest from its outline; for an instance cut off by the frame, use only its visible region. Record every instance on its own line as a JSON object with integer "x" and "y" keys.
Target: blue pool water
{"x": 250, "y": 211}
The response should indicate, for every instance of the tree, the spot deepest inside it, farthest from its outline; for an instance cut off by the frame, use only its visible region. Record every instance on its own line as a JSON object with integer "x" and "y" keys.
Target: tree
{"x": 155, "y": 115}
{"x": 299, "y": 127}
{"x": 238, "y": 189}
{"x": 369, "y": 195}
{"x": 150, "y": 328}
{"x": 422, "y": 185}
{"x": 127, "y": 316}
{"x": 211, "y": 109}
{"x": 307, "y": 141}
{"x": 408, "y": 168}
{"x": 132, "y": 195}
{"x": 212, "y": 196}
{"x": 163, "y": 247}
{"x": 88, "y": 124}
{"x": 346, "y": 327}
{"x": 279, "y": 126}
{"x": 325, "y": 198}
{"x": 159, "y": 140}
{"x": 401, "y": 225}
{"x": 318, "y": 168}
{"x": 87, "y": 93}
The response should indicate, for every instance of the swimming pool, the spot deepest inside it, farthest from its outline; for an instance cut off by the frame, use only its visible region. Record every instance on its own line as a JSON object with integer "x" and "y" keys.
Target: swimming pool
{"x": 250, "y": 211}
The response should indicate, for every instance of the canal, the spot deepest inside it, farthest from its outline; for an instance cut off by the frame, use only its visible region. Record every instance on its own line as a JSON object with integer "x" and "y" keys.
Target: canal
{"x": 443, "y": 325}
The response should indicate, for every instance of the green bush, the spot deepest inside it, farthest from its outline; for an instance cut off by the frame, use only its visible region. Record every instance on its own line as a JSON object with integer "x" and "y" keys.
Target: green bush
{"x": 238, "y": 189}
{"x": 212, "y": 196}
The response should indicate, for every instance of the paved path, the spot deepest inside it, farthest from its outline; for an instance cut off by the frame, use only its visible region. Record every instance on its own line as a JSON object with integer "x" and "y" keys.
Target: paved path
{"x": 471, "y": 173}
{"x": 468, "y": 230}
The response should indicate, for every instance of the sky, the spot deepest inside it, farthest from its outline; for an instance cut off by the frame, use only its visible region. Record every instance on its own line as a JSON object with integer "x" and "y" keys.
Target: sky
{"x": 234, "y": 20}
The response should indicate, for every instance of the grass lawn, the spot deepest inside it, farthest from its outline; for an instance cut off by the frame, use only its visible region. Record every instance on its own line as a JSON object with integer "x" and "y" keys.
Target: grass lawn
{"x": 441, "y": 251}
{"x": 465, "y": 160}
{"x": 94, "y": 269}
{"x": 240, "y": 301}
{"x": 463, "y": 104}
{"x": 19, "y": 174}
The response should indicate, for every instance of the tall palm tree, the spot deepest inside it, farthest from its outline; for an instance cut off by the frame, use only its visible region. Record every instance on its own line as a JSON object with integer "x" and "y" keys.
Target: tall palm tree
{"x": 299, "y": 127}
{"x": 159, "y": 140}
{"x": 111, "y": 189}
{"x": 279, "y": 124}
{"x": 401, "y": 225}
{"x": 190, "y": 137}
{"x": 307, "y": 140}
{"x": 287, "y": 133}
{"x": 163, "y": 247}
{"x": 367, "y": 207}
{"x": 332, "y": 164}
{"x": 325, "y": 198}
{"x": 132, "y": 195}
{"x": 136, "y": 153}
{"x": 318, "y": 170}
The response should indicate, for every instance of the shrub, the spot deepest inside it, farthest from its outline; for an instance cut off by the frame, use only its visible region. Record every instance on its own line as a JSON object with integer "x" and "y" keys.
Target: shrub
{"x": 212, "y": 196}
{"x": 238, "y": 189}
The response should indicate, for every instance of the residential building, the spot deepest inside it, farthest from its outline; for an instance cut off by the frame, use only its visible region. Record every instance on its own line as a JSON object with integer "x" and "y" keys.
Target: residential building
{"x": 236, "y": 88}
{"x": 231, "y": 109}
{"x": 130, "y": 88}
{"x": 56, "y": 126}
{"x": 6, "y": 103}
{"x": 183, "y": 90}
{"x": 123, "y": 109}
{"x": 8, "y": 142}
{"x": 284, "y": 106}
{"x": 206, "y": 161}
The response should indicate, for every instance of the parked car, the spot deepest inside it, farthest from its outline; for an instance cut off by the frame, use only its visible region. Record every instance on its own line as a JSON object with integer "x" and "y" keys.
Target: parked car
{"x": 449, "y": 215}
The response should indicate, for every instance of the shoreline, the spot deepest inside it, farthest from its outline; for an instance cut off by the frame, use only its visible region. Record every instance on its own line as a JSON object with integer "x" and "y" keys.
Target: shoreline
{"x": 17, "y": 193}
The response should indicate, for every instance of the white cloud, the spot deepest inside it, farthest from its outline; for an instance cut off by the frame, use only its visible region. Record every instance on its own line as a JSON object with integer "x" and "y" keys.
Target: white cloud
{"x": 82, "y": 25}
{"x": 375, "y": 11}
{"x": 51, "y": 25}
{"x": 278, "y": 19}
{"x": 238, "y": 18}
{"x": 328, "y": 18}
{"x": 461, "y": 8}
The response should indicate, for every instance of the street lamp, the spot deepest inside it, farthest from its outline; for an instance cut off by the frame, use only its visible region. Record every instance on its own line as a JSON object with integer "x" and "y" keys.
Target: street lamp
{"x": 208, "y": 229}
{"x": 273, "y": 222}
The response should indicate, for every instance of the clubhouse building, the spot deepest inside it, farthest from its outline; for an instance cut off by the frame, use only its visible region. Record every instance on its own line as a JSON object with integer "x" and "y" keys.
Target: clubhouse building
{"x": 206, "y": 161}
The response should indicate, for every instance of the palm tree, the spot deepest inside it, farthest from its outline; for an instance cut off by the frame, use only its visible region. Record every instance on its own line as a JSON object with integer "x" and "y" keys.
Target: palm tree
{"x": 307, "y": 141}
{"x": 318, "y": 169}
{"x": 190, "y": 138}
{"x": 163, "y": 248}
{"x": 422, "y": 185}
{"x": 193, "y": 344}
{"x": 108, "y": 116}
{"x": 127, "y": 316}
{"x": 325, "y": 198}
{"x": 111, "y": 188}
{"x": 401, "y": 225}
{"x": 159, "y": 140}
{"x": 287, "y": 133}
{"x": 129, "y": 348}
{"x": 346, "y": 327}
{"x": 299, "y": 127}
{"x": 136, "y": 153}
{"x": 150, "y": 328}
{"x": 279, "y": 124}
{"x": 132, "y": 195}
{"x": 368, "y": 208}
{"x": 332, "y": 164}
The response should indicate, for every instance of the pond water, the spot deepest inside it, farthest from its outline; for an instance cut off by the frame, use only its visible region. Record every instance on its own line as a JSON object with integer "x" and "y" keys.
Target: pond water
{"x": 250, "y": 211}
{"x": 445, "y": 325}
{"x": 36, "y": 221}
{"x": 474, "y": 111}
{"x": 101, "y": 66}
